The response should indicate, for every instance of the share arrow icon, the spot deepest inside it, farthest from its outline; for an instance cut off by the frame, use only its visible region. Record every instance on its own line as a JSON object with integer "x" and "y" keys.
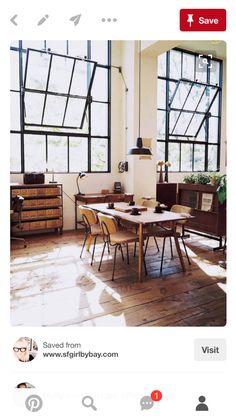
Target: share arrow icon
{"x": 75, "y": 19}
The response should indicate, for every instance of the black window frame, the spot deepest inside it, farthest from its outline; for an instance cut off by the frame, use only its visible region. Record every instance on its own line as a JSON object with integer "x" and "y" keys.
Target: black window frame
{"x": 46, "y": 133}
{"x": 190, "y": 139}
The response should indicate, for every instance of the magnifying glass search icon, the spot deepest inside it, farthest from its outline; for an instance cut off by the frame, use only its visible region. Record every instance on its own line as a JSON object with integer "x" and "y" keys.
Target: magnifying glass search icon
{"x": 87, "y": 401}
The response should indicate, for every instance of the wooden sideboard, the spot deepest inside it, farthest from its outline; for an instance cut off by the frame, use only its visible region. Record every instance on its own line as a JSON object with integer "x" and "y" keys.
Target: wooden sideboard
{"x": 42, "y": 207}
{"x": 209, "y": 214}
{"x": 99, "y": 198}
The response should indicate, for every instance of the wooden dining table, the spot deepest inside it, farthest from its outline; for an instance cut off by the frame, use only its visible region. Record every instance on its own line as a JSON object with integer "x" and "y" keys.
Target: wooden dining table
{"x": 146, "y": 217}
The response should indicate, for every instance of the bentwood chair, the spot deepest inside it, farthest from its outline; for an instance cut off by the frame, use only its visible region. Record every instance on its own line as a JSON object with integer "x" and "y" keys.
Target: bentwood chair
{"x": 182, "y": 209}
{"x": 161, "y": 232}
{"x": 115, "y": 237}
{"x": 150, "y": 203}
{"x": 17, "y": 205}
{"x": 92, "y": 228}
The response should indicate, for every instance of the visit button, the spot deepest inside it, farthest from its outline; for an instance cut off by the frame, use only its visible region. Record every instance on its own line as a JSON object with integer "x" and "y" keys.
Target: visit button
{"x": 210, "y": 349}
{"x": 200, "y": 20}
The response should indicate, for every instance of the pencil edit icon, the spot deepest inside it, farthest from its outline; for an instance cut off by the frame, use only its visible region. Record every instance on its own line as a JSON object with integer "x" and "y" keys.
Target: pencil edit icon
{"x": 41, "y": 21}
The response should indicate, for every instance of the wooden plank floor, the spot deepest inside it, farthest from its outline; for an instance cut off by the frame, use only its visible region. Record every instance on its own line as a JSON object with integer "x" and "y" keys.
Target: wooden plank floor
{"x": 52, "y": 286}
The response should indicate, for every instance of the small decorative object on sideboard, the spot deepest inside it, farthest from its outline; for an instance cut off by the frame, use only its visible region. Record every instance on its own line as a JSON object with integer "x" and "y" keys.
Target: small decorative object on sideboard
{"x": 117, "y": 187}
{"x": 161, "y": 163}
{"x": 167, "y": 165}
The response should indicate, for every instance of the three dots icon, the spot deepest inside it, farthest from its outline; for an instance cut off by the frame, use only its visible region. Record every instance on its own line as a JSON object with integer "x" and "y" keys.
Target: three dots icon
{"x": 109, "y": 20}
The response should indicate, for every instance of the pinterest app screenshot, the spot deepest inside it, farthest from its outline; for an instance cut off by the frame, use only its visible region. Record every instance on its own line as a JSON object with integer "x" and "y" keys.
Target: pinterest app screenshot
{"x": 118, "y": 209}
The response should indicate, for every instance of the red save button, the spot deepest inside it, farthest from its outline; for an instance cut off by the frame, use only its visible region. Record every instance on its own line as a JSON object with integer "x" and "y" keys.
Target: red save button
{"x": 202, "y": 20}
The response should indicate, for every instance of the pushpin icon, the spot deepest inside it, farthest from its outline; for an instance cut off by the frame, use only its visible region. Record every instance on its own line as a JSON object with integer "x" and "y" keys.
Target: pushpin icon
{"x": 190, "y": 20}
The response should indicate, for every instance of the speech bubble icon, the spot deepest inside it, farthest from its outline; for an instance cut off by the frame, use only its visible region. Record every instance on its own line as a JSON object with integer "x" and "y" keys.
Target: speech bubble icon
{"x": 146, "y": 403}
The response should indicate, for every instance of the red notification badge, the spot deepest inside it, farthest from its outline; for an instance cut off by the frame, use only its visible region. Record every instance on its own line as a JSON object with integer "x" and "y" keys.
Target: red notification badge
{"x": 156, "y": 395}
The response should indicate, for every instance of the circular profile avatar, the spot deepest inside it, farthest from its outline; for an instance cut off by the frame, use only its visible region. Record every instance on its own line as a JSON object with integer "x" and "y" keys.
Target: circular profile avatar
{"x": 24, "y": 385}
{"x": 25, "y": 349}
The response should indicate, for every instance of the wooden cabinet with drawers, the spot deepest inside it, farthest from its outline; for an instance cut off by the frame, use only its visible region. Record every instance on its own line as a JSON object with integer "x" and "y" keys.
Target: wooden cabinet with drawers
{"x": 42, "y": 207}
{"x": 209, "y": 215}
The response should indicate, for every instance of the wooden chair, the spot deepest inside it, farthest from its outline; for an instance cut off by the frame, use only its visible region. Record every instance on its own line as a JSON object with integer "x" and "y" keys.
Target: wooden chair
{"x": 92, "y": 228}
{"x": 150, "y": 203}
{"x": 115, "y": 237}
{"x": 161, "y": 232}
{"x": 181, "y": 209}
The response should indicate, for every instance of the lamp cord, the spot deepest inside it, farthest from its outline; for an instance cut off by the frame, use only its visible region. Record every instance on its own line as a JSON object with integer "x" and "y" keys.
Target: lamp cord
{"x": 139, "y": 91}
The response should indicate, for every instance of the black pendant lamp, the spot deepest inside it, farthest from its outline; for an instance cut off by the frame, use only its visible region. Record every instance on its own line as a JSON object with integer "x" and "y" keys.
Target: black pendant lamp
{"x": 139, "y": 149}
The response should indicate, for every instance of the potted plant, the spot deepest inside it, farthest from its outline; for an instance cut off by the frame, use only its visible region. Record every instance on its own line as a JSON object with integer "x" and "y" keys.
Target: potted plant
{"x": 202, "y": 179}
{"x": 189, "y": 179}
{"x": 222, "y": 189}
{"x": 215, "y": 178}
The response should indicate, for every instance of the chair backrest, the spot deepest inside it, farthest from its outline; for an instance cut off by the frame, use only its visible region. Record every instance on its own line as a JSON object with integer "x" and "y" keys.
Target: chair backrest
{"x": 112, "y": 198}
{"x": 89, "y": 216}
{"x": 181, "y": 209}
{"x": 108, "y": 224}
{"x": 150, "y": 203}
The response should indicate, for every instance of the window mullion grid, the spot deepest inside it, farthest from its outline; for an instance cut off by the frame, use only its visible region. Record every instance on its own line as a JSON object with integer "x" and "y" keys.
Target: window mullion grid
{"x": 181, "y": 110}
{"x": 46, "y": 90}
{"x": 109, "y": 108}
{"x": 22, "y": 109}
{"x": 219, "y": 116}
{"x": 195, "y": 111}
{"x": 69, "y": 89}
{"x": 167, "y": 114}
{"x": 89, "y": 138}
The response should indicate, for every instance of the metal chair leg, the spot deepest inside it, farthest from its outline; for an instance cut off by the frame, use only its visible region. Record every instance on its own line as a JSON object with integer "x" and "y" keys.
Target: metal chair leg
{"x": 114, "y": 264}
{"x": 94, "y": 244}
{"x": 127, "y": 250}
{"x": 146, "y": 245}
{"x": 135, "y": 247}
{"x": 145, "y": 266}
{"x": 162, "y": 255}
{"x": 122, "y": 254}
{"x": 171, "y": 249}
{"x": 85, "y": 239}
{"x": 185, "y": 248}
{"x": 135, "y": 243}
{"x": 158, "y": 249}
{"x": 100, "y": 264}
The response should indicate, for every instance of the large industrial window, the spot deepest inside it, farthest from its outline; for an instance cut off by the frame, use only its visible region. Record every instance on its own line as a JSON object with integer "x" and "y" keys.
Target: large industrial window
{"x": 189, "y": 111}
{"x": 60, "y": 106}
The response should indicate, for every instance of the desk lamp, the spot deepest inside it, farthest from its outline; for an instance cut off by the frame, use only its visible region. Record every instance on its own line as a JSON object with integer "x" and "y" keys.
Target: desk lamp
{"x": 81, "y": 176}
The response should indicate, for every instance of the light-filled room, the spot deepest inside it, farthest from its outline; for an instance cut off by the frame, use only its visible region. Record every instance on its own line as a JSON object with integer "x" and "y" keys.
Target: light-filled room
{"x": 118, "y": 183}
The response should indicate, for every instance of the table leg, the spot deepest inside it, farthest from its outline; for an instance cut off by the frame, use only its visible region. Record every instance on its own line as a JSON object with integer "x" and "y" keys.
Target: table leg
{"x": 179, "y": 251}
{"x": 140, "y": 253}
